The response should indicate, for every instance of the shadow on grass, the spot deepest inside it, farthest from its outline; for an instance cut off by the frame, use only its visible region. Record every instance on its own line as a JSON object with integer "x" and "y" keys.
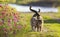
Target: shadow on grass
{"x": 52, "y": 21}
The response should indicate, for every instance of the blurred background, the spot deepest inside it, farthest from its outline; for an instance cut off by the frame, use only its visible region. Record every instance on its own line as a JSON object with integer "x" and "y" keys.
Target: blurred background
{"x": 15, "y": 18}
{"x": 44, "y": 5}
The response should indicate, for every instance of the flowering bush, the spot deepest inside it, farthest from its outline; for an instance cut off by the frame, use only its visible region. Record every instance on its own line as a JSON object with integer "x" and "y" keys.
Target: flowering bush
{"x": 9, "y": 20}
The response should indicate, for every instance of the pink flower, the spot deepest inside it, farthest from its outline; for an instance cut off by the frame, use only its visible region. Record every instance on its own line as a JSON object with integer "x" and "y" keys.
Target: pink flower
{"x": 5, "y": 29}
{"x": 15, "y": 16}
{"x": 0, "y": 16}
{"x": 9, "y": 24}
{"x": 15, "y": 20}
{"x": 14, "y": 24}
{"x": 3, "y": 13}
{"x": 9, "y": 20}
{"x": 19, "y": 27}
{"x": 11, "y": 29}
{"x": 0, "y": 5}
{"x": 1, "y": 23}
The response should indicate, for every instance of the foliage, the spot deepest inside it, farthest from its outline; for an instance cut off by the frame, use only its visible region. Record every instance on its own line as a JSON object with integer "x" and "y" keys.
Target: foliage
{"x": 7, "y": 1}
{"x": 9, "y": 21}
{"x": 25, "y": 1}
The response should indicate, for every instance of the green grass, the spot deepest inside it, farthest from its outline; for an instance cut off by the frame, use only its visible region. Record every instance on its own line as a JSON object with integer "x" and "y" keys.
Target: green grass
{"x": 25, "y": 1}
{"x": 51, "y": 25}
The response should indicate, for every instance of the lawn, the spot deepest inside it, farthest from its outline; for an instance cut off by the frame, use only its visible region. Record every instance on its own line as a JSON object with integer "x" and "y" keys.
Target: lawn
{"x": 51, "y": 25}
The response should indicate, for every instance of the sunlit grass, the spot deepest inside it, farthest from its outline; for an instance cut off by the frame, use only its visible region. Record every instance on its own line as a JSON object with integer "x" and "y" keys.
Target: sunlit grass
{"x": 26, "y": 1}
{"x": 51, "y": 27}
